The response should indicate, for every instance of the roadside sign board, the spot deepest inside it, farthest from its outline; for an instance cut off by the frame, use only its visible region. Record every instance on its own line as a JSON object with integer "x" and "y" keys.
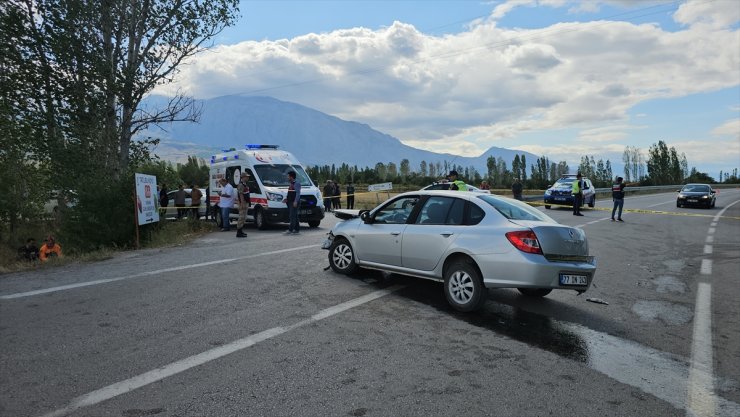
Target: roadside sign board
{"x": 380, "y": 187}
{"x": 146, "y": 198}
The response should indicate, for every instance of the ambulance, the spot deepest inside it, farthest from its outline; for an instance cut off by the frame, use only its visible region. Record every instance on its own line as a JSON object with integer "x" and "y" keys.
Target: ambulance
{"x": 268, "y": 169}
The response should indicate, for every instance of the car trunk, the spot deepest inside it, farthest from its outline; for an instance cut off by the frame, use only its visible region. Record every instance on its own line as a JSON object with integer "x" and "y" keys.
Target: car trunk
{"x": 559, "y": 241}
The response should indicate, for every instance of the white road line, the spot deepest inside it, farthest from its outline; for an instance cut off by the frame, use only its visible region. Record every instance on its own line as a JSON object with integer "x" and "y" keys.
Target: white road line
{"x": 593, "y": 222}
{"x": 146, "y": 274}
{"x": 706, "y": 267}
{"x": 182, "y": 365}
{"x": 660, "y": 204}
{"x": 711, "y": 230}
{"x": 710, "y": 239}
{"x": 707, "y": 249}
{"x": 701, "y": 400}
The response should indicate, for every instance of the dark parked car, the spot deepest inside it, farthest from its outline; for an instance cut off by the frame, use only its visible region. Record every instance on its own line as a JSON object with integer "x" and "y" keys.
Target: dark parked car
{"x": 560, "y": 192}
{"x": 696, "y": 195}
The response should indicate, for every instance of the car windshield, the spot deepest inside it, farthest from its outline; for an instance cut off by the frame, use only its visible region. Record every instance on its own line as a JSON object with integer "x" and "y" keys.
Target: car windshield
{"x": 514, "y": 210}
{"x": 695, "y": 189}
{"x": 277, "y": 175}
{"x": 563, "y": 182}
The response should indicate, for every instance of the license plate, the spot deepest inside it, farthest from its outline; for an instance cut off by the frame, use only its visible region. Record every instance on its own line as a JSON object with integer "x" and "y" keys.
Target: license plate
{"x": 571, "y": 279}
{"x": 693, "y": 201}
{"x": 326, "y": 244}
{"x": 304, "y": 211}
{"x": 559, "y": 198}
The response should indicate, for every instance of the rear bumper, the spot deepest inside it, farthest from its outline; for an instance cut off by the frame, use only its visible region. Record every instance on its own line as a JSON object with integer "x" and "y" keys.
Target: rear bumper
{"x": 281, "y": 215}
{"x": 523, "y": 270}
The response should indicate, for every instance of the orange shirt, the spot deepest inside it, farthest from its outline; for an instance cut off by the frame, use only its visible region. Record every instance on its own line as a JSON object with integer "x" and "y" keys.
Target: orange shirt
{"x": 45, "y": 251}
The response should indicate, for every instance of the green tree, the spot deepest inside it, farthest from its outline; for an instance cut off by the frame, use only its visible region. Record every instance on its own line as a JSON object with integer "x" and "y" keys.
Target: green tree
{"x": 195, "y": 171}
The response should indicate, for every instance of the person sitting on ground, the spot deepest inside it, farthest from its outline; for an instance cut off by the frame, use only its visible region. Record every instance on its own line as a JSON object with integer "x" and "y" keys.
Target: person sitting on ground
{"x": 50, "y": 249}
{"x": 29, "y": 251}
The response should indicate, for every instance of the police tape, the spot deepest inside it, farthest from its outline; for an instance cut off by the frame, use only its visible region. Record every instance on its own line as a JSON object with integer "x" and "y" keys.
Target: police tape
{"x": 636, "y": 211}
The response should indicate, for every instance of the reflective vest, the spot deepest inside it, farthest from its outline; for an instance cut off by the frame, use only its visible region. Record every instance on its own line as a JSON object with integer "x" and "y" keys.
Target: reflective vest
{"x": 576, "y": 188}
{"x": 461, "y": 186}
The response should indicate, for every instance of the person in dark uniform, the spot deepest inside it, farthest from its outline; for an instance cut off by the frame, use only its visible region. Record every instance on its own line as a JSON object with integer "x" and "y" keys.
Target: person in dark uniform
{"x": 351, "y": 196}
{"x": 577, "y": 191}
{"x": 293, "y": 200}
{"x": 328, "y": 194}
{"x": 618, "y": 197}
{"x": 337, "y": 195}
{"x": 516, "y": 189}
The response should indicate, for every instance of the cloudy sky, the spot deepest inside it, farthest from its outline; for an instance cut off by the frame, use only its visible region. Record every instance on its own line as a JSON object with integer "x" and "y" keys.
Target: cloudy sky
{"x": 552, "y": 77}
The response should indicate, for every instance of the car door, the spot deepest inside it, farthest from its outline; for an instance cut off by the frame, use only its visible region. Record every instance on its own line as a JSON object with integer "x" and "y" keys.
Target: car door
{"x": 379, "y": 240}
{"x": 435, "y": 228}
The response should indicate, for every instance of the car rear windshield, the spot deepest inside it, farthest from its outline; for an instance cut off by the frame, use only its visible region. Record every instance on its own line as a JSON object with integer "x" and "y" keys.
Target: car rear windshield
{"x": 515, "y": 210}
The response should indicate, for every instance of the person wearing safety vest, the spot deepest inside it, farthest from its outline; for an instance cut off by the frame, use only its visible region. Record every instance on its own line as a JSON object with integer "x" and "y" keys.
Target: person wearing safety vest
{"x": 577, "y": 191}
{"x": 455, "y": 183}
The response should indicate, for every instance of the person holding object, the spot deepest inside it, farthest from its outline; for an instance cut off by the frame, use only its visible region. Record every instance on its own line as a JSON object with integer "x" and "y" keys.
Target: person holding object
{"x": 50, "y": 249}
{"x": 293, "y": 201}
{"x": 577, "y": 191}
{"x": 242, "y": 192}
{"x": 618, "y": 197}
{"x": 225, "y": 202}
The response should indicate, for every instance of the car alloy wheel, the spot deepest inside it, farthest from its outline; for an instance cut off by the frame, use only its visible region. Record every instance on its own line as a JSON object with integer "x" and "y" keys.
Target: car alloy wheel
{"x": 342, "y": 257}
{"x": 463, "y": 287}
{"x": 259, "y": 219}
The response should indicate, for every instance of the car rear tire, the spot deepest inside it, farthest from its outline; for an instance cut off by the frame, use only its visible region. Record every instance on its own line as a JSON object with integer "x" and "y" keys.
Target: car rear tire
{"x": 259, "y": 219}
{"x": 463, "y": 287}
{"x": 342, "y": 257}
{"x": 593, "y": 202}
{"x": 678, "y": 204}
{"x": 314, "y": 223}
{"x": 547, "y": 206}
{"x": 535, "y": 292}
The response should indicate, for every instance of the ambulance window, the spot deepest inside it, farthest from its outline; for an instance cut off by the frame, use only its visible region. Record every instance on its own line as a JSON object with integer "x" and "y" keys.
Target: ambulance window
{"x": 254, "y": 187}
{"x": 233, "y": 174}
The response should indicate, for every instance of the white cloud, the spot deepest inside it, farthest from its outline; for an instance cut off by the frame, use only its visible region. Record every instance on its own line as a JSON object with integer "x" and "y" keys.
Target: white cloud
{"x": 468, "y": 91}
{"x": 729, "y": 128}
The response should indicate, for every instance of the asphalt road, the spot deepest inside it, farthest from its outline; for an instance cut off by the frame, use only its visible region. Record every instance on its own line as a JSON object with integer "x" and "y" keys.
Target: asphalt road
{"x": 259, "y": 327}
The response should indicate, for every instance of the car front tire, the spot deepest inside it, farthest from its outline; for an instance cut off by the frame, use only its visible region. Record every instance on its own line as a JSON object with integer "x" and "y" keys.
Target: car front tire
{"x": 593, "y": 202}
{"x": 547, "y": 206}
{"x": 342, "y": 257}
{"x": 535, "y": 292}
{"x": 314, "y": 223}
{"x": 463, "y": 287}
{"x": 259, "y": 219}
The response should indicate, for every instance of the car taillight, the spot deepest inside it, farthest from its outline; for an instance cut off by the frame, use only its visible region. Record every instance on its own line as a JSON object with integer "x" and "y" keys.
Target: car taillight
{"x": 525, "y": 241}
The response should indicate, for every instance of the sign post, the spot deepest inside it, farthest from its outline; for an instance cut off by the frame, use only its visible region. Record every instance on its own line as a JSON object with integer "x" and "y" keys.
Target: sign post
{"x": 145, "y": 199}
{"x": 383, "y": 186}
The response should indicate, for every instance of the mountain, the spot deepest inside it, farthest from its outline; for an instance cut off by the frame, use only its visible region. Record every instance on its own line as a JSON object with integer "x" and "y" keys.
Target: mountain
{"x": 315, "y": 138}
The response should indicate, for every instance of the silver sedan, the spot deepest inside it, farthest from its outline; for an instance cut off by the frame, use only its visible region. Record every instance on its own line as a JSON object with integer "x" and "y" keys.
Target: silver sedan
{"x": 469, "y": 241}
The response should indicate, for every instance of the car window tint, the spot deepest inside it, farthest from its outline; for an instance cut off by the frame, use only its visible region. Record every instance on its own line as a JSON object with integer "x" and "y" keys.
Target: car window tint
{"x": 515, "y": 210}
{"x": 435, "y": 210}
{"x": 456, "y": 213}
{"x": 476, "y": 214}
{"x": 397, "y": 211}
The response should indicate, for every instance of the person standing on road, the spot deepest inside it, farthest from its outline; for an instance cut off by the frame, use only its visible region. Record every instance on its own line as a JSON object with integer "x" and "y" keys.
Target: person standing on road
{"x": 195, "y": 196}
{"x": 225, "y": 202}
{"x": 618, "y": 197}
{"x": 337, "y": 195}
{"x": 328, "y": 195}
{"x": 164, "y": 200}
{"x": 293, "y": 201}
{"x": 516, "y": 189}
{"x": 242, "y": 192}
{"x": 577, "y": 191}
{"x": 208, "y": 202}
{"x": 456, "y": 184}
{"x": 180, "y": 196}
{"x": 351, "y": 196}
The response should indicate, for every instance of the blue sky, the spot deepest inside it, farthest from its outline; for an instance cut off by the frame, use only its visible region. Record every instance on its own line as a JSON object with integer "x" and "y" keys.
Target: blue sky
{"x": 552, "y": 77}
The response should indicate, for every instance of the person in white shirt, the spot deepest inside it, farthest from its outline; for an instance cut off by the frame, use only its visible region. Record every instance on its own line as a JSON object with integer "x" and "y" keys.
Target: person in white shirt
{"x": 225, "y": 203}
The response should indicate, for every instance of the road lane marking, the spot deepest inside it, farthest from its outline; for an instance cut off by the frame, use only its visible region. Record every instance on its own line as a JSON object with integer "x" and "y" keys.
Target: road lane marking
{"x": 711, "y": 230}
{"x": 710, "y": 239}
{"x": 706, "y": 267}
{"x": 660, "y": 204}
{"x": 701, "y": 399}
{"x": 182, "y": 365}
{"x": 707, "y": 249}
{"x": 147, "y": 273}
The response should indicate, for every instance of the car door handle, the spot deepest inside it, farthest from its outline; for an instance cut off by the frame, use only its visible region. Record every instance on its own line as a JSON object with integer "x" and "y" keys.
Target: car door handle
{"x": 446, "y": 234}
{"x": 395, "y": 233}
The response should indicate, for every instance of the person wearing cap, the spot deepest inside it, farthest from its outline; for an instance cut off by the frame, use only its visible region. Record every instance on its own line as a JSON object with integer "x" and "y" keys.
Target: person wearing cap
{"x": 50, "y": 249}
{"x": 456, "y": 184}
{"x": 242, "y": 192}
{"x": 577, "y": 191}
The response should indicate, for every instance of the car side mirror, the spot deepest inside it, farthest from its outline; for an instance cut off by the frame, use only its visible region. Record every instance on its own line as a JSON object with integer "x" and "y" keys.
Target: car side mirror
{"x": 678, "y": 191}
{"x": 714, "y": 191}
{"x": 365, "y": 217}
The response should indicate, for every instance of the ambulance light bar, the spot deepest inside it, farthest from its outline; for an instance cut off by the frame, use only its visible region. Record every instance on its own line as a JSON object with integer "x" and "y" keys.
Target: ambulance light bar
{"x": 255, "y": 146}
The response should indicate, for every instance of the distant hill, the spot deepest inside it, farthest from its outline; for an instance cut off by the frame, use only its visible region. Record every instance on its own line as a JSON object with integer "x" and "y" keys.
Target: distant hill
{"x": 315, "y": 138}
